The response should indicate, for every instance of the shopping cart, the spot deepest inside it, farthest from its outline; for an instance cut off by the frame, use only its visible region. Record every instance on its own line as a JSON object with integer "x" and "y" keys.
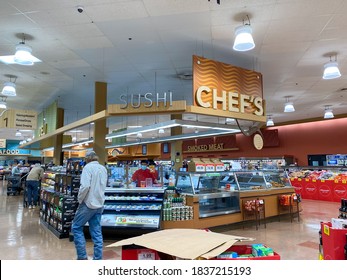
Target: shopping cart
{"x": 25, "y": 195}
{"x": 14, "y": 185}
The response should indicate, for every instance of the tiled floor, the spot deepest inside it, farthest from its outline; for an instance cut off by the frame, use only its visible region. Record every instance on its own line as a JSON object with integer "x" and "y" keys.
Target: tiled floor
{"x": 24, "y": 238}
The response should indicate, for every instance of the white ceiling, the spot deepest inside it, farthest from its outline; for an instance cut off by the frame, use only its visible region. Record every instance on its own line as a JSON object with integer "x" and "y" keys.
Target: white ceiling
{"x": 293, "y": 41}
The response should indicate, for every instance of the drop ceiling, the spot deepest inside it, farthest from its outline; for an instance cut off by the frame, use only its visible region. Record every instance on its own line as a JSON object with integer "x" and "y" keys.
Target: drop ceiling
{"x": 139, "y": 46}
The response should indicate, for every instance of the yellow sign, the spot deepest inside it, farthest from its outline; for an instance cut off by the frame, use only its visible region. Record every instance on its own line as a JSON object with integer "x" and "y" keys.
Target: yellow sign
{"x": 19, "y": 119}
{"x": 2, "y": 143}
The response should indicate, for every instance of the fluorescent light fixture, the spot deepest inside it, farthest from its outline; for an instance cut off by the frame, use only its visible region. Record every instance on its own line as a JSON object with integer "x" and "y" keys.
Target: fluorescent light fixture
{"x": 79, "y": 143}
{"x": 76, "y": 131}
{"x": 9, "y": 89}
{"x": 161, "y": 131}
{"x": 170, "y": 124}
{"x": 243, "y": 37}
{"x": 3, "y": 105}
{"x": 331, "y": 71}
{"x": 176, "y": 137}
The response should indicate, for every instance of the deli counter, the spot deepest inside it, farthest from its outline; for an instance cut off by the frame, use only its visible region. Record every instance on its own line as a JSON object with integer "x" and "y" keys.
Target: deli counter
{"x": 217, "y": 198}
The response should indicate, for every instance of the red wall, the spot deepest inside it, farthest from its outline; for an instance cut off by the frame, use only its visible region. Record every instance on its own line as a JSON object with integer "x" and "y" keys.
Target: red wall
{"x": 300, "y": 140}
{"x": 297, "y": 140}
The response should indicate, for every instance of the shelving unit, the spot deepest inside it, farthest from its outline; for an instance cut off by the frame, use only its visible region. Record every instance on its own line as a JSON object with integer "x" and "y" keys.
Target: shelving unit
{"x": 59, "y": 202}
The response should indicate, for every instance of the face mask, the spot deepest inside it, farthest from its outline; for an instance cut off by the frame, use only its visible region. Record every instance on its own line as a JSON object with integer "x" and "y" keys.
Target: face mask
{"x": 143, "y": 167}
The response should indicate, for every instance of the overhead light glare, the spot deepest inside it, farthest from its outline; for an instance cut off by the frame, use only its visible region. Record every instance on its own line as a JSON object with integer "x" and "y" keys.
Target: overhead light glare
{"x": 18, "y": 133}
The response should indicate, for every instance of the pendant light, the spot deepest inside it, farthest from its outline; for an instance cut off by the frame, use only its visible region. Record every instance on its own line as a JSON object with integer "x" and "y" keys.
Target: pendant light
{"x": 3, "y": 104}
{"x": 9, "y": 88}
{"x": 270, "y": 121}
{"x": 288, "y": 106}
{"x": 243, "y": 37}
{"x": 328, "y": 112}
{"x": 331, "y": 70}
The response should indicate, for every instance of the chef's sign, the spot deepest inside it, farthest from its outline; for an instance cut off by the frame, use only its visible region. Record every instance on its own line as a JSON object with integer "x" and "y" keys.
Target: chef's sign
{"x": 224, "y": 87}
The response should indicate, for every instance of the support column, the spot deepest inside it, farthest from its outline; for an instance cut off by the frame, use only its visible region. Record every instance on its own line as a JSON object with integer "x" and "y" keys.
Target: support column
{"x": 100, "y": 129}
{"x": 176, "y": 147}
{"x": 58, "y": 139}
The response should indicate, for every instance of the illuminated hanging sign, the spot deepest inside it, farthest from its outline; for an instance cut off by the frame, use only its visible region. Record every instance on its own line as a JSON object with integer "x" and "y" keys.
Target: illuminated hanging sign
{"x": 225, "y": 87}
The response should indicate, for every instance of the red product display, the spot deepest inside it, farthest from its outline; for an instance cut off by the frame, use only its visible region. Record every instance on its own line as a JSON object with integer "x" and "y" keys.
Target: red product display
{"x": 247, "y": 250}
{"x": 325, "y": 190}
{"x": 333, "y": 242}
{"x": 139, "y": 254}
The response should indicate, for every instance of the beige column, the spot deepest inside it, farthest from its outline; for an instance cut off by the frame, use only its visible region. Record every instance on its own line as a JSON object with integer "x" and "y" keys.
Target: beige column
{"x": 176, "y": 147}
{"x": 100, "y": 129}
{"x": 58, "y": 139}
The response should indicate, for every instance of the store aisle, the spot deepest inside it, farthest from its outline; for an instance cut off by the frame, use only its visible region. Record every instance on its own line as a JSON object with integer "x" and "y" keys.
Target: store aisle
{"x": 23, "y": 238}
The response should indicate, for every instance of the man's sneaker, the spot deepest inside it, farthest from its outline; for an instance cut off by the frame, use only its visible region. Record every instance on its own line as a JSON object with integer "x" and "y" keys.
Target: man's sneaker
{"x": 30, "y": 207}
{"x": 34, "y": 206}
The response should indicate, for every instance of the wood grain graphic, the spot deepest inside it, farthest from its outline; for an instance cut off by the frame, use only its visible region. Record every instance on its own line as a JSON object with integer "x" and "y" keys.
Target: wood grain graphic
{"x": 225, "y": 77}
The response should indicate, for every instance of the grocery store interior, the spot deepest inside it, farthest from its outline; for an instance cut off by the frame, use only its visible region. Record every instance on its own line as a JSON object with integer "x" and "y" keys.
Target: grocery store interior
{"x": 25, "y": 239}
{"x": 241, "y": 138}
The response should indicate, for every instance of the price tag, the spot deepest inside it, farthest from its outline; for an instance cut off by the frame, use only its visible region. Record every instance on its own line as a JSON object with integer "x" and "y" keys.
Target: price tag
{"x": 336, "y": 181}
{"x": 313, "y": 180}
{"x": 146, "y": 256}
{"x": 307, "y": 180}
{"x": 343, "y": 181}
{"x": 299, "y": 179}
{"x": 322, "y": 180}
{"x": 326, "y": 229}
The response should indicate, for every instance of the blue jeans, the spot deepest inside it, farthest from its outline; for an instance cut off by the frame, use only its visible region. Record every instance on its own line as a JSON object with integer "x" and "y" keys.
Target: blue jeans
{"x": 32, "y": 191}
{"x": 93, "y": 217}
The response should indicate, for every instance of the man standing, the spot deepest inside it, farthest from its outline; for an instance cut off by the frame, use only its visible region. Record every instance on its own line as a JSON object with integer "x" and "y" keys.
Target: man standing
{"x": 91, "y": 198}
{"x": 33, "y": 183}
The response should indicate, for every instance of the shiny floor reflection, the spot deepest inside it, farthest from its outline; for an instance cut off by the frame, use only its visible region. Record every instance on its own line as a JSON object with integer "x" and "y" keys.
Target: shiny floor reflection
{"x": 24, "y": 238}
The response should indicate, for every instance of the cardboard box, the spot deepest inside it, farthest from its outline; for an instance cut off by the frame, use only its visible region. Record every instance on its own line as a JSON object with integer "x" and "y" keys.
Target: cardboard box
{"x": 184, "y": 243}
{"x": 209, "y": 165}
{"x": 218, "y": 165}
{"x": 196, "y": 165}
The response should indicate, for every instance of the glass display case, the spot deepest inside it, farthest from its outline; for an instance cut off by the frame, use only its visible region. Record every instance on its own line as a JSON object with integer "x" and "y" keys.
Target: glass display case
{"x": 251, "y": 180}
{"x": 218, "y": 192}
{"x": 277, "y": 178}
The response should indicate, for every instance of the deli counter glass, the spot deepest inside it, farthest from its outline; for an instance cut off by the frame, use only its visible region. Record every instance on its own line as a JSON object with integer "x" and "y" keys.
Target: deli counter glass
{"x": 218, "y": 192}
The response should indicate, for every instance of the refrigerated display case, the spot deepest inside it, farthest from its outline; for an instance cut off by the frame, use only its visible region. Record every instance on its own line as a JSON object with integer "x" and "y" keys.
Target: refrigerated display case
{"x": 132, "y": 209}
{"x": 218, "y": 193}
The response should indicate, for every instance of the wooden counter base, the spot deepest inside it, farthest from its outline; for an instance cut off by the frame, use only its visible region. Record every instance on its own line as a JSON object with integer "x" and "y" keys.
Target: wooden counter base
{"x": 270, "y": 197}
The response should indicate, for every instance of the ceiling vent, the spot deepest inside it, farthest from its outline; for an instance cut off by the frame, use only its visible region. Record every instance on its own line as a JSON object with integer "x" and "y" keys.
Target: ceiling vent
{"x": 185, "y": 76}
